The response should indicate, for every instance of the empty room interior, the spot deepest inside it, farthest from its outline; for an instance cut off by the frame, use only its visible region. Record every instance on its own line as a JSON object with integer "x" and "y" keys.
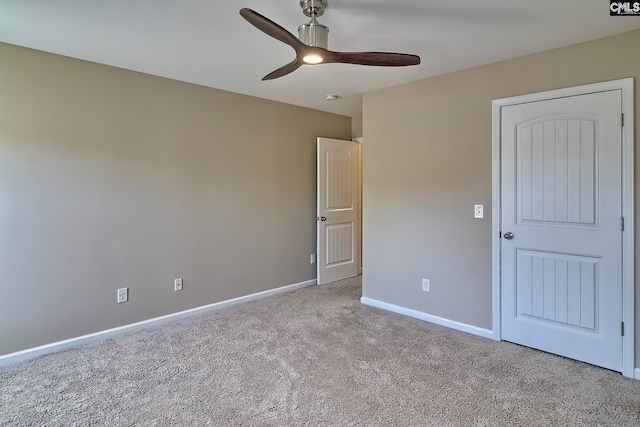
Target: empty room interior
{"x": 427, "y": 218}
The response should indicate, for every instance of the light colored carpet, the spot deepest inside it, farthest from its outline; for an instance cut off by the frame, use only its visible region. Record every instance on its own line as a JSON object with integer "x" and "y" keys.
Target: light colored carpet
{"x": 315, "y": 356}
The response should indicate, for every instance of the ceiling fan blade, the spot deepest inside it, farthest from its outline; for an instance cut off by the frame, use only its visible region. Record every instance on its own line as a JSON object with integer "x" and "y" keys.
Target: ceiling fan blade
{"x": 284, "y": 70}
{"x": 380, "y": 59}
{"x": 272, "y": 29}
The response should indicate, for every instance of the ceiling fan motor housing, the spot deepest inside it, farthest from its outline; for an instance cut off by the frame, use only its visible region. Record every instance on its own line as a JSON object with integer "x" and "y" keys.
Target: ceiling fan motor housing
{"x": 314, "y": 34}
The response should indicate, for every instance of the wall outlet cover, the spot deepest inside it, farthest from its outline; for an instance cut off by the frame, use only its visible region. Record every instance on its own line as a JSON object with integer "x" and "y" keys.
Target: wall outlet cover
{"x": 426, "y": 285}
{"x": 123, "y": 295}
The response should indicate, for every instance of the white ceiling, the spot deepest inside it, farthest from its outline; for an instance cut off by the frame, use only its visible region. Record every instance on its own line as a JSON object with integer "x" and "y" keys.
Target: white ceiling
{"x": 208, "y": 43}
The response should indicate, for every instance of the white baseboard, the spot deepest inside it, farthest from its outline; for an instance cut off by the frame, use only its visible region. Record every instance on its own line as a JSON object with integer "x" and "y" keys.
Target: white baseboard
{"x": 428, "y": 318}
{"x": 637, "y": 374}
{"x": 30, "y": 353}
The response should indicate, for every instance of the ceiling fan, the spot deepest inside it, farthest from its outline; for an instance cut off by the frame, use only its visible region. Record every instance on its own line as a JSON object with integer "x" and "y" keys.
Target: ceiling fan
{"x": 312, "y": 41}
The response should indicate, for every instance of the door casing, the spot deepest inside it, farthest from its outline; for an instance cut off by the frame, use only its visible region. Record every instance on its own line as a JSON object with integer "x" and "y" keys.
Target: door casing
{"x": 628, "y": 259}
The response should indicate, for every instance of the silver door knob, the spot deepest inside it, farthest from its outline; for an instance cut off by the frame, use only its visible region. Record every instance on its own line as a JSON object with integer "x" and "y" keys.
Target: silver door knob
{"x": 323, "y": 218}
{"x": 508, "y": 235}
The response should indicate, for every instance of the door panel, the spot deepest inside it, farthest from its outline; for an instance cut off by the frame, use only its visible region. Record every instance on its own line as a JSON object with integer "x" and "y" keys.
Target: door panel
{"x": 339, "y": 244}
{"x": 557, "y": 167}
{"x": 562, "y": 200}
{"x": 546, "y": 283}
{"x": 340, "y": 168}
{"x": 337, "y": 209}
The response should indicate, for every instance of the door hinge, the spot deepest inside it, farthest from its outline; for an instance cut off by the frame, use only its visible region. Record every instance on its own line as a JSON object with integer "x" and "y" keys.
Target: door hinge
{"x": 622, "y": 223}
{"x": 622, "y": 120}
{"x": 622, "y": 328}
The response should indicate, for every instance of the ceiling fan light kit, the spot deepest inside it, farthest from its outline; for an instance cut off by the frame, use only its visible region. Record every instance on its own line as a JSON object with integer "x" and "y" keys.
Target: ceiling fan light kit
{"x": 311, "y": 45}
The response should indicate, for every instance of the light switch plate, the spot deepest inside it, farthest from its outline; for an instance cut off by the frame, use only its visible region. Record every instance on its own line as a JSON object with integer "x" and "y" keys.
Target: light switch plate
{"x": 479, "y": 211}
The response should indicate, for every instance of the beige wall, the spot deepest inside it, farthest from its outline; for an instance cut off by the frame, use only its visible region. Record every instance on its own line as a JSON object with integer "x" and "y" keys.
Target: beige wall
{"x": 356, "y": 127}
{"x": 111, "y": 178}
{"x": 428, "y": 161}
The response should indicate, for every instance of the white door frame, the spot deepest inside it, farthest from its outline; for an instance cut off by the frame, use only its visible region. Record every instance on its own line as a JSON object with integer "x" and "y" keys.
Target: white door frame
{"x": 628, "y": 258}
{"x": 359, "y": 140}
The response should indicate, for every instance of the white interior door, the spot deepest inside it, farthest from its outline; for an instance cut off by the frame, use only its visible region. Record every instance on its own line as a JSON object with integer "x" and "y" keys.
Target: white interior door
{"x": 561, "y": 250}
{"x": 337, "y": 209}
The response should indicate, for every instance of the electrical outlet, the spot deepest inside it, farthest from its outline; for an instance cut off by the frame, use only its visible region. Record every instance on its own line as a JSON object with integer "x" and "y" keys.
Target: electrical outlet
{"x": 313, "y": 258}
{"x": 177, "y": 284}
{"x": 426, "y": 285}
{"x": 478, "y": 211}
{"x": 123, "y": 295}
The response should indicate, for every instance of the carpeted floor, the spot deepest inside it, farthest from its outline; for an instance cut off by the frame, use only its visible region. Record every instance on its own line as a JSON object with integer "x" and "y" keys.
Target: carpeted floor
{"x": 315, "y": 356}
